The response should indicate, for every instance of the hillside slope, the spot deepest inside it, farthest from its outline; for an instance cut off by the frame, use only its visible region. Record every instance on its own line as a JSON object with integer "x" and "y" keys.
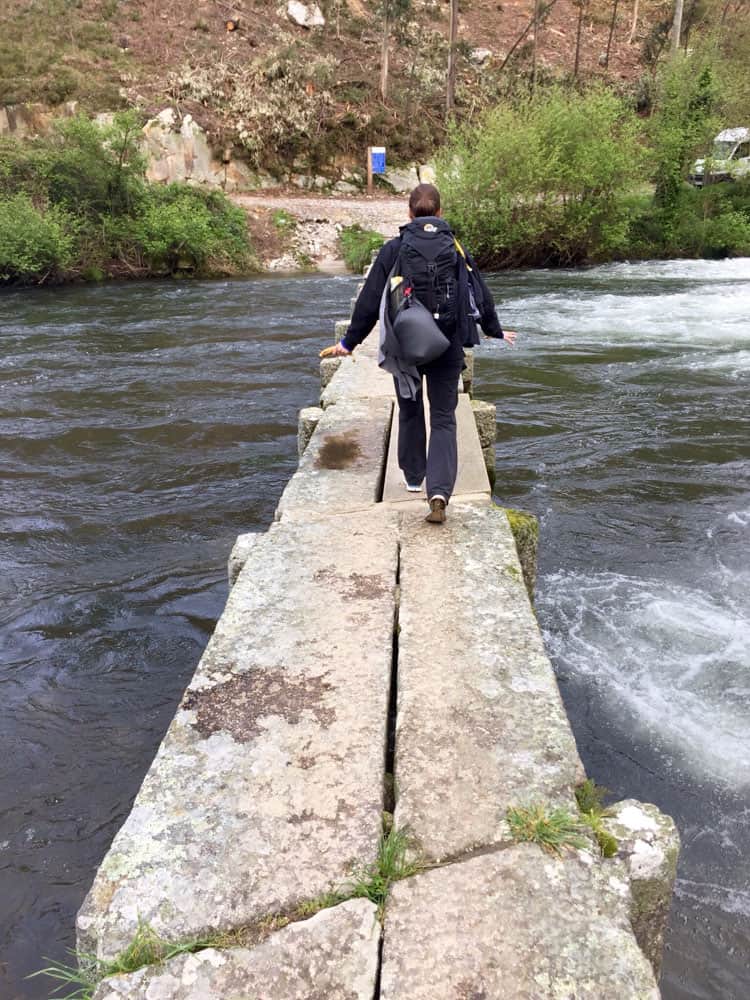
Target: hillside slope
{"x": 283, "y": 92}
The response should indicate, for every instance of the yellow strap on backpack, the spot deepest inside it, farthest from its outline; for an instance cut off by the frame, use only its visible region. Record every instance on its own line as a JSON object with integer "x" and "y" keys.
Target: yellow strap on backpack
{"x": 463, "y": 254}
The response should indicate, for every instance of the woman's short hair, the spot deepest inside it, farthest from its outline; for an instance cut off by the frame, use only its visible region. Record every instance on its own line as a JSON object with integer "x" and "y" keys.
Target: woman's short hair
{"x": 424, "y": 200}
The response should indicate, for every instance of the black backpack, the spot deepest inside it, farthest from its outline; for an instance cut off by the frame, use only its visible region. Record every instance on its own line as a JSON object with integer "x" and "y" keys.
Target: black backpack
{"x": 428, "y": 261}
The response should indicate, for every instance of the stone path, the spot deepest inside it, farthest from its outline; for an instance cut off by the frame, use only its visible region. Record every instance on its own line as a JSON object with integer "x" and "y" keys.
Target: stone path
{"x": 366, "y": 659}
{"x": 268, "y": 786}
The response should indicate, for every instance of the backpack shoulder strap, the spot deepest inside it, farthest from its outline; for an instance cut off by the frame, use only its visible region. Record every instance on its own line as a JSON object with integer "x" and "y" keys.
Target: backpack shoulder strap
{"x": 462, "y": 252}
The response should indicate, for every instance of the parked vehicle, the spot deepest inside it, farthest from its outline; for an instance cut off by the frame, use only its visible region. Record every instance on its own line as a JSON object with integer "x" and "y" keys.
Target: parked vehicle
{"x": 729, "y": 159}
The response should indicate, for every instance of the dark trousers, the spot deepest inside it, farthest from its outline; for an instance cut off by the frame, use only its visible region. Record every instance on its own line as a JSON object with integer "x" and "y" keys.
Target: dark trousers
{"x": 440, "y": 461}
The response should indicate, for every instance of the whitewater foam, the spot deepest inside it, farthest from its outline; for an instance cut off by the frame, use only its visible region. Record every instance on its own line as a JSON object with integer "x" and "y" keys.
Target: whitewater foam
{"x": 674, "y": 660}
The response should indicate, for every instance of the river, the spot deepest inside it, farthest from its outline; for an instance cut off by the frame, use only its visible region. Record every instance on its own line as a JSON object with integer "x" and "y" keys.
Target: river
{"x": 142, "y": 427}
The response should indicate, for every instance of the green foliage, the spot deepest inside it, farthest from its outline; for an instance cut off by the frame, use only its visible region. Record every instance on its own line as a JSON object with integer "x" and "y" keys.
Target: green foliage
{"x": 711, "y": 222}
{"x": 183, "y": 228}
{"x": 553, "y": 831}
{"x": 282, "y": 220}
{"x": 589, "y": 797}
{"x": 75, "y": 203}
{"x": 683, "y": 123}
{"x": 542, "y": 182}
{"x": 357, "y": 246}
{"x": 55, "y": 50}
{"x": 146, "y": 948}
{"x": 396, "y": 860}
{"x": 34, "y": 244}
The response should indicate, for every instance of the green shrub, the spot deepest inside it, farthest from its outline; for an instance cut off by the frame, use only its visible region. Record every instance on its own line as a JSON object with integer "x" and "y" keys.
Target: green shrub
{"x": 712, "y": 222}
{"x": 34, "y": 244}
{"x": 92, "y": 169}
{"x": 83, "y": 191}
{"x": 544, "y": 182}
{"x": 184, "y": 228}
{"x": 357, "y": 246}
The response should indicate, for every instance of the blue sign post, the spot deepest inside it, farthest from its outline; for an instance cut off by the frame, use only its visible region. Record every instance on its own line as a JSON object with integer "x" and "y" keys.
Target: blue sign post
{"x": 375, "y": 164}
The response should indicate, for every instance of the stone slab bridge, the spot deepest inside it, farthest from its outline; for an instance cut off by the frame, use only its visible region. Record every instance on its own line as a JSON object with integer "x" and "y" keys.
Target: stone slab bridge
{"x": 370, "y": 665}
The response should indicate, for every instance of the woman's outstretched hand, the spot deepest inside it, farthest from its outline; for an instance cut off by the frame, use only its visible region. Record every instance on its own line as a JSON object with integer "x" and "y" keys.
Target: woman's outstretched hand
{"x": 510, "y": 336}
{"x": 336, "y": 351}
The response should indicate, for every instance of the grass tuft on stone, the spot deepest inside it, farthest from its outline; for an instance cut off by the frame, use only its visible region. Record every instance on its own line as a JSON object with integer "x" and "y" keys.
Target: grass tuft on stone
{"x": 554, "y": 831}
{"x": 396, "y": 860}
{"x": 146, "y": 948}
{"x": 589, "y": 797}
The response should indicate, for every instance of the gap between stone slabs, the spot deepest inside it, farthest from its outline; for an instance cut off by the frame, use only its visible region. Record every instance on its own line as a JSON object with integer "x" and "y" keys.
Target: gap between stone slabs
{"x": 333, "y": 955}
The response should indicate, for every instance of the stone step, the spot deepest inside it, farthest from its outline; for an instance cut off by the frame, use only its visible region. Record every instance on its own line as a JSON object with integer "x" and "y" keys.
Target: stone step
{"x": 342, "y": 467}
{"x": 517, "y": 924}
{"x": 358, "y": 376}
{"x": 472, "y": 471}
{"x": 268, "y": 785}
{"x": 481, "y": 724}
{"x": 333, "y": 955}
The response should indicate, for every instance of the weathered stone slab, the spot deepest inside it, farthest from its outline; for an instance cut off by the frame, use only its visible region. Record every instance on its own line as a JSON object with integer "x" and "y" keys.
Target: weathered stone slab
{"x": 485, "y": 417}
{"x": 472, "y": 472}
{"x": 328, "y": 368}
{"x": 332, "y": 956}
{"x": 481, "y": 725}
{"x": 649, "y": 844}
{"x": 309, "y": 419}
{"x": 269, "y": 783}
{"x": 514, "y": 925}
{"x": 342, "y": 467}
{"x": 239, "y": 554}
{"x": 468, "y": 373}
{"x": 358, "y": 377}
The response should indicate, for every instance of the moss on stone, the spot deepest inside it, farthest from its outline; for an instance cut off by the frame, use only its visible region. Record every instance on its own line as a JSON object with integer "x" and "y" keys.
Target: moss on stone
{"x": 525, "y": 528}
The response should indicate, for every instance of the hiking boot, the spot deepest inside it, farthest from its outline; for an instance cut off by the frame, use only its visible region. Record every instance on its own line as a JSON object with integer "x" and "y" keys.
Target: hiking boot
{"x": 437, "y": 510}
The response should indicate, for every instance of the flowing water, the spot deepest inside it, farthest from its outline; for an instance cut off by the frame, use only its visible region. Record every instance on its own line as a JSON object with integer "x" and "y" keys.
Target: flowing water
{"x": 143, "y": 427}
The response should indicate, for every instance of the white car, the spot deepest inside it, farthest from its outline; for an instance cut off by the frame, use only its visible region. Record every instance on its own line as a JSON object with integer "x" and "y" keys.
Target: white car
{"x": 729, "y": 159}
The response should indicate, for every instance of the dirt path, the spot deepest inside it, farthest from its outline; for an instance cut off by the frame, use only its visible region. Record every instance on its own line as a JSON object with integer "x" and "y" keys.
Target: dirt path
{"x": 312, "y": 241}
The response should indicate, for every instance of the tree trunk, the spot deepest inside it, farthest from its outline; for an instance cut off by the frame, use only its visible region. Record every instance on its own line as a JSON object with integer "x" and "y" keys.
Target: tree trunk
{"x": 450, "y": 95}
{"x": 384, "y": 56}
{"x": 677, "y": 26}
{"x": 581, "y": 12}
{"x": 537, "y": 5}
{"x": 634, "y": 24}
{"x": 611, "y": 32}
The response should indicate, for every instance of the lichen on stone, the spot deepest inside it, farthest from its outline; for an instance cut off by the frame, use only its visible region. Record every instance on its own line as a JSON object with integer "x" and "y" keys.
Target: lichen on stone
{"x": 237, "y": 706}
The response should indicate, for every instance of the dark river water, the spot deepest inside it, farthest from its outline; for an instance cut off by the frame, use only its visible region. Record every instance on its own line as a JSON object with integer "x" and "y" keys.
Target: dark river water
{"x": 142, "y": 427}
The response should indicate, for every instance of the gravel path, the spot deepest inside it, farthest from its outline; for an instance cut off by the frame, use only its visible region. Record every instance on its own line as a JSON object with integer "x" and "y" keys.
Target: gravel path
{"x": 319, "y": 221}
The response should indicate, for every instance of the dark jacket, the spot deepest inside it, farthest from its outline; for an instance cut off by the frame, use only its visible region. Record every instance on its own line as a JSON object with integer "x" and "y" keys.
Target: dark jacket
{"x": 367, "y": 307}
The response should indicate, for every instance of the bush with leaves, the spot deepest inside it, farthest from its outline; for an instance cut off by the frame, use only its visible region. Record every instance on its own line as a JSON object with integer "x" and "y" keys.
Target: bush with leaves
{"x": 75, "y": 203}
{"x": 543, "y": 182}
{"x": 34, "y": 244}
{"x": 684, "y": 120}
{"x": 184, "y": 228}
{"x": 357, "y": 246}
{"x": 713, "y": 222}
